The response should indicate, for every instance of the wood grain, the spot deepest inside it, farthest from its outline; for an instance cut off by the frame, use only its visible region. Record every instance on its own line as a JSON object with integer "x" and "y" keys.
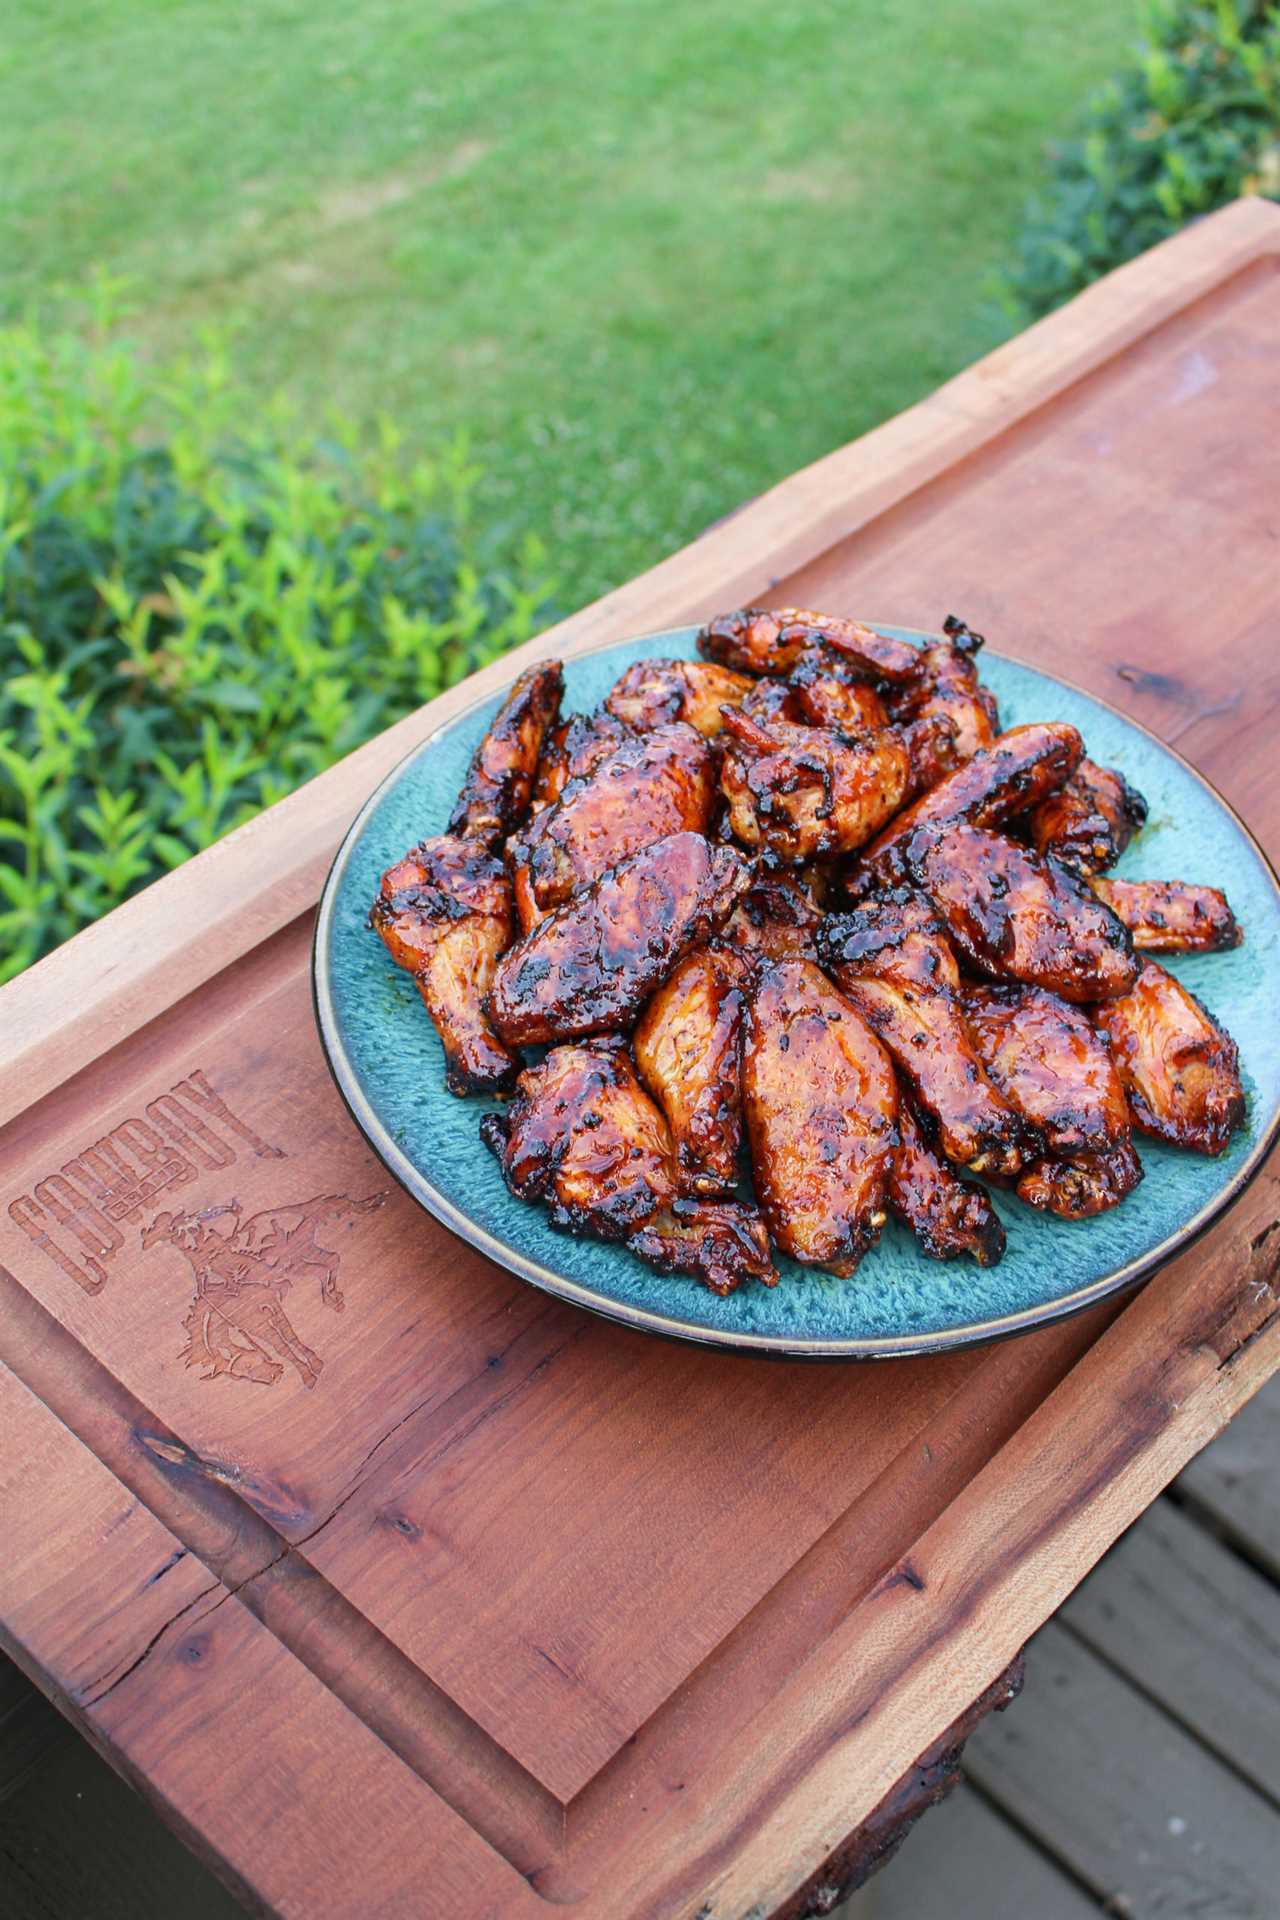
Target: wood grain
{"x": 586, "y": 1618}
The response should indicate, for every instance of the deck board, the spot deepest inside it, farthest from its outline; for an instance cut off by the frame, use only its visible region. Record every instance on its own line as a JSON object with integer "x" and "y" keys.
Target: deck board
{"x": 1235, "y": 1483}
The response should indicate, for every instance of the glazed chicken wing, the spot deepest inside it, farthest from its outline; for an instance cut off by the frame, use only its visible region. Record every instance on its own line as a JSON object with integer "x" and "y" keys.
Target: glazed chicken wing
{"x": 757, "y": 640}
{"x": 1081, "y": 1187}
{"x": 1018, "y": 769}
{"x": 932, "y": 750}
{"x": 1179, "y": 1066}
{"x": 1090, "y": 820}
{"x": 1019, "y": 916}
{"x": 1052, "y": 1065}
{"x": 802, "y": 792}
{"x": 591, "y": 965}
{"x": 653, "y": 785}
{"x": 444, "y": 912}
{"x": 582, "y": 1135}
{"x": 949, "y": 687}
{"x": 821, "y": 1105}
{"x": 494, "y": 797}
{"x": 1170, "y": 916}
{"x": 891, "y": 959}
{"x": 947, "y": 1215}
{"x": 822, "y": 693}
{"x": 687, "y": 1048}
{"x": 572, "y": 750}
{"x": 653, "y": 693}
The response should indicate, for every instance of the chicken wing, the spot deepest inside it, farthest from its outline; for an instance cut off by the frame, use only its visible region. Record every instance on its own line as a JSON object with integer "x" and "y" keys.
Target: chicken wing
{"x": 932, "y": 750}
{"x": 582, "y": 1134}
{"x": 1018, "y": 769}
{"x": 1019, "y": 916}
{"x": 947, "y": 1215}
{"x": 1180, "y": 1068}
{"x": 444, "y": 913}
{"x": 1170, "y": 916}
{"x": 653, "y": 693}
{"x": 776, "y": 919}
{"x": 949, "y": 687}
{"x": 1090, "y": 820}
{"x": 802, "y": 792}
{"x": 653, "y": 785}
{"x": 1079, "y": 1188}
{"x": 821, "y": 1105}
{"x": 1052, "y": 1065}
{"x": 758, "y": 640}
{"x": 687, "y": 1046}
{"x": 494, "y": 797}
{"x": 891, "y": 959}
{"x": 822, "y": 693}
{"x": 591, "y": 965}
{"x": 573, "y": 749}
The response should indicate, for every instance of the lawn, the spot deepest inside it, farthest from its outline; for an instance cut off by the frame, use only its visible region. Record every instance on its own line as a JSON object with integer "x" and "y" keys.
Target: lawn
{"x": 651, "y": 257}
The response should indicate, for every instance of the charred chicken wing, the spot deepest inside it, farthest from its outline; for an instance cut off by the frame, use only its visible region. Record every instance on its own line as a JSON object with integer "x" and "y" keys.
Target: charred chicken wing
{"x": 582, "y": 1135}
{"x": 891, "y": 958}
{"x": 821, "y": 1105}
{"x": 1016, "y": 915}
{"x": 1077, "y": 1189}
{"x": 1179, "y": 1066}
{"x": 947, "y": 1215}
{"x": 1018, "y": 769}
{"x": 1170, "y": 916}
{"x": 444, "y": 913}
{"x": 776, "y": 919}
{"x": 653, "y": 693}
{"x": 653, "y": 785}
{"x": 1090, "y": 820}
{"x": 949, "y": 687}
{"x": 573, "y": 749}
{"x": 757, "y": 640}
{"x": 494, "y": 797}
{"x": 687, "y": 1048}
{"x": 591, "y": 965}
{"x": 802, "y": 792}
{"x": 1052, "y": 1065}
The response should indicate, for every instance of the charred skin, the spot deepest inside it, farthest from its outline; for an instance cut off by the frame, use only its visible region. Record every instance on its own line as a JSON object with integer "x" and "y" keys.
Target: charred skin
{"x": 1179, "y": 1067}
{"x": 1170, "y": 916}
{"x": 687, "y": 1047}
{"x": 947, "y": 1215}
{"x": 653, "y": 785}
{"x": 1052, "y": 1066}
{"x": 762, "y": 641}
{"x": 444, "y": 914}
{"x": 582, "y": 1135}
{"x": 892, "y": 960}
{"x": 821, "y": 693}
{"x": 592, "y": 964}
{"x": 804, "y": 793}
{"x": 1090, "y": 820}
{"x": 1080, "y": 1188}
{"x": 776, "y": 919}
{"x": 932, "y": 750}
{"x": 949, "y": 688}
{"x": 1014, "y": 773}
{"x": 654, "y": 693}
{"x": 572, "y": 750}
{"x": 1018, "y": 916}
{"x": 494, "y": 797}
{"x": 821, "y": 1106}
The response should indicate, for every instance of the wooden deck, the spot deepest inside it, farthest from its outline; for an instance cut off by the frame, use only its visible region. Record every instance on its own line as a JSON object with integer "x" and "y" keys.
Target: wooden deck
{"x": 1138, "y": 1775}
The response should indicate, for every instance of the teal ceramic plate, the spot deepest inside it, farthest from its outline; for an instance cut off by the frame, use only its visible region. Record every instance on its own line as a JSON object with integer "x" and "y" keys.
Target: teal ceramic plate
{"x": 386, "y": 1059}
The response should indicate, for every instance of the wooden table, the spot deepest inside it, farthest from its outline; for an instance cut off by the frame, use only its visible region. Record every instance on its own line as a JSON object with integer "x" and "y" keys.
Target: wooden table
{"x": 465, "y": 1602}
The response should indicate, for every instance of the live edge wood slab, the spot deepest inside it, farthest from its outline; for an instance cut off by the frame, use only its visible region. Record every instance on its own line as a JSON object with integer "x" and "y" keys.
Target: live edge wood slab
{"x": 443, "y": 1599}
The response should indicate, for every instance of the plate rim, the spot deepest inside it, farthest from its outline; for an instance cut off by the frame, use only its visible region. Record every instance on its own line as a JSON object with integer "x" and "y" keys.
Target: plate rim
{"x": 647, "y": 1320}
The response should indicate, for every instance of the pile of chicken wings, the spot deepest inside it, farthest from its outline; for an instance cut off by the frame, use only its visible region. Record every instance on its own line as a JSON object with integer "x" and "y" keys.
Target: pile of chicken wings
{"x": 804, "y": 890}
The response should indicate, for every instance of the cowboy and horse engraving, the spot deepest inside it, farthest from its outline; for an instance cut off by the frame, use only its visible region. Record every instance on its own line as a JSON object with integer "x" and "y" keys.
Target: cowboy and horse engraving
{"x": 237, "y": 1325}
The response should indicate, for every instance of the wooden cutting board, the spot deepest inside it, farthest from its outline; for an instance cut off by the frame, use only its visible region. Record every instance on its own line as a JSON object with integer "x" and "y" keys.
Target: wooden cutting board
{"x": 403, "y": 1589}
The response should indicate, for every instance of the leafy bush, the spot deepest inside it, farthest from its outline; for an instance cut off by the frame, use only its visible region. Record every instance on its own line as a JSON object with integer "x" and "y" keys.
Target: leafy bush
{"x": 198, "y": 614}
{"x": 1193, "y": 123}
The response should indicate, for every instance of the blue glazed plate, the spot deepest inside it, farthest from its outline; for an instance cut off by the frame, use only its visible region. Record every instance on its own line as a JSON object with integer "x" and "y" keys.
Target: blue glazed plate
{"x": 387, "y": 1061}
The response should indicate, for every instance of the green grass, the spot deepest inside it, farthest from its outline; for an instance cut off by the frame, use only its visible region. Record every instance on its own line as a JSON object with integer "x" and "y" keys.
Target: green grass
{"x": 653, "y": 257}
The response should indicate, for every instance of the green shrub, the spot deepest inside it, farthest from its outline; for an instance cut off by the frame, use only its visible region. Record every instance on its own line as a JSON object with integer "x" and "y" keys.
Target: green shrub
{"x": 1194, "y": 122}
{"x": 197, "y": 614}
